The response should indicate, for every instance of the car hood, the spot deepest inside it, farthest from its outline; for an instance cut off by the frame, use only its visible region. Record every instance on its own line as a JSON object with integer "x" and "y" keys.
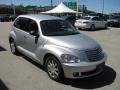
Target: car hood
{"x": 78, "y": 41}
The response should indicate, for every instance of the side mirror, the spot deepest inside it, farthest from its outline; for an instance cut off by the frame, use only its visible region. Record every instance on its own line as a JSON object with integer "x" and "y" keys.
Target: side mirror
{"x": 34, "y": 33}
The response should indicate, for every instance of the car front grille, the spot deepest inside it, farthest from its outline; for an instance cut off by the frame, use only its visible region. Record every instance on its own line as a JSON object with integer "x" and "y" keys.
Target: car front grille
{"x": 94, "y": 55}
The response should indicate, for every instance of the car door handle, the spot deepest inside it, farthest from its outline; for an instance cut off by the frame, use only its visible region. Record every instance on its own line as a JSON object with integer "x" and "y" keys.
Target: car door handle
{"x": 25, "y": 37}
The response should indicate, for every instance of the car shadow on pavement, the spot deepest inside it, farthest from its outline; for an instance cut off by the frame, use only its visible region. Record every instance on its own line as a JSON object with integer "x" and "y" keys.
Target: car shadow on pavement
{"x": 114, "y": 27}
{"x": 2, "y": 49}
{"x": 99, "y": 29}
{"x": 107, "y": 77}
{"x": 33, "y": 62}
{"x": 3, "y": 86}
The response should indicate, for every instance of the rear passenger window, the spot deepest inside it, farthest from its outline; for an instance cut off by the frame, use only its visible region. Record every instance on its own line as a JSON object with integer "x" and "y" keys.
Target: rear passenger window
{"x": 22, "y": 23}
{"x": 26, "y": 24}
{"x": 17, "y": 23}
{"x": 95, "y": 19}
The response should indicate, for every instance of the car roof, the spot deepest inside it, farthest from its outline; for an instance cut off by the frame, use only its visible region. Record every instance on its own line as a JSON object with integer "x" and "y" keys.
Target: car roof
{"x": 87, "y": 16}
{"x": 40, "y": 17}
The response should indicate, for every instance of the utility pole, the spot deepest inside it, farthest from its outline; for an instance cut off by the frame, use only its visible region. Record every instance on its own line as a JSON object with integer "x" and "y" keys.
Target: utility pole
{"x": 103, "y": 7}
{"x": 82, "y": 6}
{"x": 51, "y": 4}
{"x": 97, "y": 6}
{"x": 13, "y": 6}
{"x": 77, "y": 7}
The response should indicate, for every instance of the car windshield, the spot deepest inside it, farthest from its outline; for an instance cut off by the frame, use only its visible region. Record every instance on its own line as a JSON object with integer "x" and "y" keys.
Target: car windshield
{"x": 57, "y": 28}
{"x": 86, "y": 18}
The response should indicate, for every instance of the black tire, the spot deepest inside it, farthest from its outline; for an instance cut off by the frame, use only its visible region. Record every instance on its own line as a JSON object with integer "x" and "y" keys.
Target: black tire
{"x": 13, "y": 47}
{"x": 105, "y": 27}
{"x": 119, "y": 24}
{"x": 92, "y": 27}
{"x": 55, "y": 72}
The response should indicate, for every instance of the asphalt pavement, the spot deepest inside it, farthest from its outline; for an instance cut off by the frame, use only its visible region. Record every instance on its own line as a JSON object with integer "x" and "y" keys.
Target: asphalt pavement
{"x": 21, "y": 73}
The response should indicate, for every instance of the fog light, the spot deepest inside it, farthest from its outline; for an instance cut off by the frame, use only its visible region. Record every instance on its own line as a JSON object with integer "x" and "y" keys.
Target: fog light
{"x": 76, "y": 74}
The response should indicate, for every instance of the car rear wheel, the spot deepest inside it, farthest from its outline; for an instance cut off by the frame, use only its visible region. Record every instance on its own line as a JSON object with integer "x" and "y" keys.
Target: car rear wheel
{"x": 92, "y": 27}
{"x": 105, "y": 27}
{"x": 13, "y": 47}
{"x": 54, "y": 69}
{"x": 119, "y": 24}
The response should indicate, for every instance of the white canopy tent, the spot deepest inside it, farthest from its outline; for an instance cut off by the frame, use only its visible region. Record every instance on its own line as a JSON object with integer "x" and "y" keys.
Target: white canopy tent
{"x": 61, "y": 8}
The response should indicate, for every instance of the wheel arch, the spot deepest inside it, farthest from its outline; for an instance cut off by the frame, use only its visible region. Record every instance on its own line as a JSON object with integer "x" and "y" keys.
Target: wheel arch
{"x": 47, "y": 55}
{"x": 61, "y": 75}
{"x": 12, "y": 36}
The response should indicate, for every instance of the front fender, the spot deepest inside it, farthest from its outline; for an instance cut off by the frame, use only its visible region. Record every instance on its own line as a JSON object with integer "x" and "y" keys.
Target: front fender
{"x": 57, "y": 51}
{"x": 13, "y": 36}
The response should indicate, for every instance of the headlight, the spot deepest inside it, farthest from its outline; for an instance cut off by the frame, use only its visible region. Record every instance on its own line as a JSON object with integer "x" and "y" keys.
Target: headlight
{"x": 70, "y": 58}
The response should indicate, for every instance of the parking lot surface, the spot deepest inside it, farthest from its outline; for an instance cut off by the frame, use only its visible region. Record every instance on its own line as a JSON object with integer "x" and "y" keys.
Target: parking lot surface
{"x": 21, "y": 73}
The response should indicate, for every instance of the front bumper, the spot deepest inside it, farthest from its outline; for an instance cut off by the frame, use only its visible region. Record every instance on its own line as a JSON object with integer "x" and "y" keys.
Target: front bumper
{"x": 83, "y": 69}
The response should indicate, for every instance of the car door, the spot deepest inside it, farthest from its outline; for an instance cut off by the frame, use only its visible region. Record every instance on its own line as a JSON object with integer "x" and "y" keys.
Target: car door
{"x": 101, "y": 23}
{"x": 20, "y": 27}
{"x": 96, "y": 22}
{"x": 32, "y": 42}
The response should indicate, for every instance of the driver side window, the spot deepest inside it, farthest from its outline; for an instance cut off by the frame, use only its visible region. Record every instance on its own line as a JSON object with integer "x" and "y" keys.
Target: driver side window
{"x": 95, "y": 19}
{"x": 33, "y": 26}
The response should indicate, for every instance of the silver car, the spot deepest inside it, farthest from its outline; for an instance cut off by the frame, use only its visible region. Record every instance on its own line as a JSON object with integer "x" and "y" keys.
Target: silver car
{"x": 90, "y": 22}
{"x": 57, "y": 45}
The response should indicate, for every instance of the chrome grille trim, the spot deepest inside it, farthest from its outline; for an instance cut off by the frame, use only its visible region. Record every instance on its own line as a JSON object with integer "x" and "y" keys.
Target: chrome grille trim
{"x": 94, "y": 55}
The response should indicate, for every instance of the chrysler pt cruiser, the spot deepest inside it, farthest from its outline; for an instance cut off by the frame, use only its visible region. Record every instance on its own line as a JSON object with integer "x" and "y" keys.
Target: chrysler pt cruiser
{"x": 57, "y": 45}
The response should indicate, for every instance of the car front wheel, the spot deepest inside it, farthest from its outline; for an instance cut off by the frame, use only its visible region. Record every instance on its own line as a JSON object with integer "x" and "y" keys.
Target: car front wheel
{"x": 54, "y": 69}
{"x": 105, "y": 27}
{"x": 92, "y": 27}
{"x": 13, "y": 47}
